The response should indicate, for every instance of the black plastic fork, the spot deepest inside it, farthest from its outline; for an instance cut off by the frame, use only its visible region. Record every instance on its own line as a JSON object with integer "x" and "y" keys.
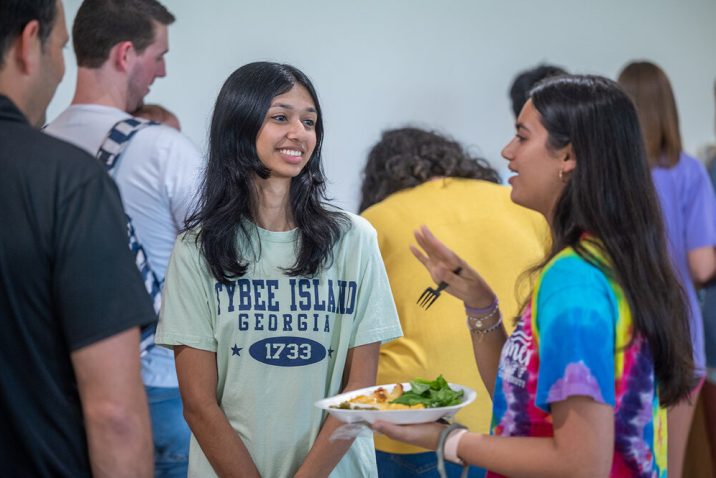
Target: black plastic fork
{"x": 430, "y": 295}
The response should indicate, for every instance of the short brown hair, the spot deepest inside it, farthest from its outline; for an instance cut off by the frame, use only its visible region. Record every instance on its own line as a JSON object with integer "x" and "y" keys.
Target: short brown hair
{"x": 16, "y": 14}
{"x": 649, "y": 88}
{"x": 101, "y": 24}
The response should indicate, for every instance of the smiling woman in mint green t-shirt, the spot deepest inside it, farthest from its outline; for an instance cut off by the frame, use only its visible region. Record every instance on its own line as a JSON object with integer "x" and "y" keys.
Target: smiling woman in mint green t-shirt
{"x": 273, "y": 299}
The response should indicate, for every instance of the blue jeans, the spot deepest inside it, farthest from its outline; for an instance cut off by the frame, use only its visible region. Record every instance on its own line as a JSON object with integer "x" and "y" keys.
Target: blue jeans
{"x": 170, "y": 431}
{"x": 424, "y": 465}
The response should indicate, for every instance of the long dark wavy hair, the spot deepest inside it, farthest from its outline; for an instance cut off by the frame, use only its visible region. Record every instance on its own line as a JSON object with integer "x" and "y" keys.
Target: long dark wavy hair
{"x": 226, "y": 203}
{"x": 407, "y": 157}
{"x": 610, "y": 195}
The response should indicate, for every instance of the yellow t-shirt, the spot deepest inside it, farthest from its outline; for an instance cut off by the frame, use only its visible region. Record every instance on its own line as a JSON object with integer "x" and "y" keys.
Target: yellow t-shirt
{"x": 499, "y": 239}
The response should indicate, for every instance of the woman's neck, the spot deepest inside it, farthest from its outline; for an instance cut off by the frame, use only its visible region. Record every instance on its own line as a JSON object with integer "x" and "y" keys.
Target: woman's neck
{"x": 273, "y": 206}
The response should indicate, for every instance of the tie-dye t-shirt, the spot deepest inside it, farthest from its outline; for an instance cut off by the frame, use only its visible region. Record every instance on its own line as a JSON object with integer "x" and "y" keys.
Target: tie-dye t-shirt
{"x": 575, "y": 338}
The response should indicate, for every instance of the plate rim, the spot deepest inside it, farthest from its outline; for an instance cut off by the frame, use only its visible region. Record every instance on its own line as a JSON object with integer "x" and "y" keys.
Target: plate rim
{"x": 470, "y": 396}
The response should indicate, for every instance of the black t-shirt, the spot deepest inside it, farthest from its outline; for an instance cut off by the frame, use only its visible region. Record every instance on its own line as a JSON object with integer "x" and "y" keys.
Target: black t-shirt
{"x": 67, "y": 280}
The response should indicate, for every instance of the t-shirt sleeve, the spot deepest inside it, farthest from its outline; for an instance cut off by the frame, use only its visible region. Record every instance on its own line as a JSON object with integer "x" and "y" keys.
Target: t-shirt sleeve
{"x": 96, "y": 283}
{"x": 376, "y": 316}
{"x": 575, "y": 322}
{"x": 182, "y": 176}
{"x": 700, "y": 210}
{"x": 186, "y": 317}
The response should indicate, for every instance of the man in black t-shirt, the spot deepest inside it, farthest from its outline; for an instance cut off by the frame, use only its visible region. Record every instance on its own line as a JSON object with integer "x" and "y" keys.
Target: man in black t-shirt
{"x": 72, "y": 402}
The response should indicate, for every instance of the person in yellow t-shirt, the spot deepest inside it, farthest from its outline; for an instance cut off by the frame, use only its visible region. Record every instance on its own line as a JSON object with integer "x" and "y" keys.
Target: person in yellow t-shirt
{"x": 414, "y": 177}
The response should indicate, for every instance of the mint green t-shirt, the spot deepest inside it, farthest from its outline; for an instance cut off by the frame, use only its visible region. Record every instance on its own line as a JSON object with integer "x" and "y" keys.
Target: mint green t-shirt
{"x": 281, "y": 342}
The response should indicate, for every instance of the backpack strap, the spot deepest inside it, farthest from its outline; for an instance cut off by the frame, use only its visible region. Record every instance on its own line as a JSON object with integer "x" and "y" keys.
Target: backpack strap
{"x": 109, "y": 153}
{"x": 118, "y": 139}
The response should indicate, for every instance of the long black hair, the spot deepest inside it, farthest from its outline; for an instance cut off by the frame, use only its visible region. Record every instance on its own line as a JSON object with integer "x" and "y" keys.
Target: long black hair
{"x": 407, "y": 157}
{"x": 226, "y": 204}
{"x": 610, "y": 195}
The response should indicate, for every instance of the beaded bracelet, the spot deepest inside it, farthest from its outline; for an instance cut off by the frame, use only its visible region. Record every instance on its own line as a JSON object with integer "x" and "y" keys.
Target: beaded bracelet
{"x": 476, "y": 311}
{"x": 476, "y": 326}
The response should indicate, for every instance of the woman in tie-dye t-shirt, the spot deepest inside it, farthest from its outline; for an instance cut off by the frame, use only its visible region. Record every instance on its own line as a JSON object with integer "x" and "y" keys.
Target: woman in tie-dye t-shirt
{"x": 602, "y": 346}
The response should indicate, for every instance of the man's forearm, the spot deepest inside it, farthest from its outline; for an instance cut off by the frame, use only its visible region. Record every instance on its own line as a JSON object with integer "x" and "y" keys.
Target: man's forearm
{"x": 120, "y": 440}
{"x": 114, "y": 404}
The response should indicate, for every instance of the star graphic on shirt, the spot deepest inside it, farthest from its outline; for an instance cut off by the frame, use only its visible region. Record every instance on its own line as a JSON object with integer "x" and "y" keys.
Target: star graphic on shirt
{"x": 236, "y": 350}
{"x": 330, "y": 353}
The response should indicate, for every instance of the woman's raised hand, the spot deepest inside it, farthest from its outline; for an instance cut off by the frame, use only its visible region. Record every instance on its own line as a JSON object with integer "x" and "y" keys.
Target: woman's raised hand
{"x": 440, "y": 261}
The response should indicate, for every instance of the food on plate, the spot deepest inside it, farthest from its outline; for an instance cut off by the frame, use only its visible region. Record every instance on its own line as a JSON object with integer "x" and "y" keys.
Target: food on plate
{"x": 380, "y": 399}
{"x": 431, "y": 394}
{"x": 423, "y": 402}
{"x": 422, "y": 394}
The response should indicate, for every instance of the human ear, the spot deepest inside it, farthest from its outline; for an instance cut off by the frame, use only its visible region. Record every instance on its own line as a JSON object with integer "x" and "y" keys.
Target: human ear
{"x": 28, "y": 49}
{"x": 122, "y": 55}
{"x": 569, "y": 160}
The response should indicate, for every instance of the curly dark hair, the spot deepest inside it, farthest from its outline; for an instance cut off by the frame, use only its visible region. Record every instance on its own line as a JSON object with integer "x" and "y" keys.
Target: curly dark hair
{"x": 407, "y": 157}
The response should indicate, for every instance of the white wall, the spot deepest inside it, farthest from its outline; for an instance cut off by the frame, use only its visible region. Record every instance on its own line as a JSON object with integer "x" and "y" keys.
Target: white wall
{"x": 440, "y": 64}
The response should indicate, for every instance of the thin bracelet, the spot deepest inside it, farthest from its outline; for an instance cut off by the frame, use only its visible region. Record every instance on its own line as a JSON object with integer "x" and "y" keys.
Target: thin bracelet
{"x": 440, "y": 451}
{"x": 482, "y": 310}
{"x": 479, "y": 322}
{"x": 482, "y": 332}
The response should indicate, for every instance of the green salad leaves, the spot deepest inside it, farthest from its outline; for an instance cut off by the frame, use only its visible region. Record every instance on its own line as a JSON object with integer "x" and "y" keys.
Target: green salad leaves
{"x": 431, "y": 394}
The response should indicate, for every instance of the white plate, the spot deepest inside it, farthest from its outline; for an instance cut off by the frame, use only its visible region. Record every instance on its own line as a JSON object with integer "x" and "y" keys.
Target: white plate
{"x": 401, "y": 417}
